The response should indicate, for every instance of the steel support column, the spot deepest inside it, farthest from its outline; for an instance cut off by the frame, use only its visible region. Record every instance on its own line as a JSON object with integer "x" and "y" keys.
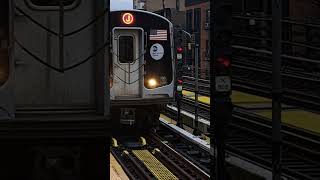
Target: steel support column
{"x": 61, "y": 35}
{"x": 196, "y": 130}
{"x": 220, "y": 80}
{"x": 276, "y": 88}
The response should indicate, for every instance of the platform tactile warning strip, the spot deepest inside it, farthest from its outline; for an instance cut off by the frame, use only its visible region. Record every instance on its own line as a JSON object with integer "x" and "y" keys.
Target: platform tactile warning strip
{"x": 154, "y": 165}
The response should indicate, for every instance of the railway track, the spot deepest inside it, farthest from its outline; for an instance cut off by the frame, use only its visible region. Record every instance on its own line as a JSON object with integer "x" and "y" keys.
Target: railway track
{"x": 252, "y": 58}
{"x": 154, "y": 158}
{"x": 189, "y": 149}
{"x": 249, "y": 138}
{"x": 298, "y": 90}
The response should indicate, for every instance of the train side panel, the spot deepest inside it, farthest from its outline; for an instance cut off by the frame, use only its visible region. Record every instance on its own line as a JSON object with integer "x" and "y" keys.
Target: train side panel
{"x": 37, "y": 86}
{"x": 6, "y": 61}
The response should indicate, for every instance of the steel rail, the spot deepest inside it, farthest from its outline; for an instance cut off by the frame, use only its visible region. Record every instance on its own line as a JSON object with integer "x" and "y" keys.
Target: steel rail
{"x": 262, "y": 51}
{"x": 130, "y": 165}
{"x": 255, "y": 143}
{"x": 132, "y": 175}
{"x": 285, "y": 20}
{"x": 185, "y": 168}
{"x": 188, "y": 151}
{"x": 302, "y": 97}
{"x": 173, "y": 160}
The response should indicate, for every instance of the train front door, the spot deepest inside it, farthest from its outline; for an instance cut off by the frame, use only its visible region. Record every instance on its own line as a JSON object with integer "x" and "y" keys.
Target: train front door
{"x": 127, "y": 63}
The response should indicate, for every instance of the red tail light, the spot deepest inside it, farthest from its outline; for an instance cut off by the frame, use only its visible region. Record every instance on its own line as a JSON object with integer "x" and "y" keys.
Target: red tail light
{"x": 224, "y": 61}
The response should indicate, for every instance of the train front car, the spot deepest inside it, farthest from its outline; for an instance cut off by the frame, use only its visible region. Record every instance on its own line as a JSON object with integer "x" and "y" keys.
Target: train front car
{"x": 142, "y": 68}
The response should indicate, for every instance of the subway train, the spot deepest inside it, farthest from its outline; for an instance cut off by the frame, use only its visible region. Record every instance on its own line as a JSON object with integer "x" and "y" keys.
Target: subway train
{"x": 57, "y": 102}
{"x": 54, "y": 90}
{"x": 141, "y": 68}
{"x": 52, "y": 65}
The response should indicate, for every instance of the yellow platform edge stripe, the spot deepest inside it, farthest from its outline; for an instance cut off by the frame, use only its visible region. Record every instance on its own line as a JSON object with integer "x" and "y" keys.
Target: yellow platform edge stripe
{"x": 237, "y": 97}
{"x": 154, "y": 165}
{"x": 304, "y": 120}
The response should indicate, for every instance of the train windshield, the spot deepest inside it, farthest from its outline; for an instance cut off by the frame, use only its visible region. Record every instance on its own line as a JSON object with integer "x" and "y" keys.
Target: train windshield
{"x": 126, "y": 49}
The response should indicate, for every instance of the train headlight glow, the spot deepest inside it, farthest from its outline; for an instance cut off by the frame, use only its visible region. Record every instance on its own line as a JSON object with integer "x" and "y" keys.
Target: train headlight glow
{"x": 152, "y": 83}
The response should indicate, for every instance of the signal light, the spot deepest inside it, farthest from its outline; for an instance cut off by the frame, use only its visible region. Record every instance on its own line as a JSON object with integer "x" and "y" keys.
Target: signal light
{"x": 179, "y": 53}
{"x": 180, "y": 81}
{"x": 224, "y": 61}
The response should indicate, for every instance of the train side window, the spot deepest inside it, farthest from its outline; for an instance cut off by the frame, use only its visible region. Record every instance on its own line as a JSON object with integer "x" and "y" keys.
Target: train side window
{"x": 125, "y": 49}
{"x": 52, "y": 4}
{"x": 4, "y": 41}
{"x": 4, "y": 66}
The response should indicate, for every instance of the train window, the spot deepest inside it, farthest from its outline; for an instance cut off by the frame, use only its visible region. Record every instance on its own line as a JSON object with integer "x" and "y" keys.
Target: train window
{"x": 126, "y": 49}
{"x": 4, "y": 37}
{"x": 207, "y": 15}
{"x": 189, "y": 20}
{"x": 253, "y": 6}
{"x": 52, "y": 2}
{"x": 4, "y": 66}
{"x": 178, "y": 5}
{"x": 197, "y": 20}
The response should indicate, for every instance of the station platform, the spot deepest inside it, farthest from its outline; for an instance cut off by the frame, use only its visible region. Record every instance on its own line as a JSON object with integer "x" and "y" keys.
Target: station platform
{"x": 186, "y": 129}
{"x": 294, "y": 117}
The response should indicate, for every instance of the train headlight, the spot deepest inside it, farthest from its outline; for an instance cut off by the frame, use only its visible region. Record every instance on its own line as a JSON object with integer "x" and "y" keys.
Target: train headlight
{"x": 152, "y": 83}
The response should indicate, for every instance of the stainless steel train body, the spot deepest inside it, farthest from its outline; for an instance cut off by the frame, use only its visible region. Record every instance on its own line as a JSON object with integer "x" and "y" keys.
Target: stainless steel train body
{"x": 54, "y": 90}
{"x": 142, "y": 66}
{"x": 58, "y": 64}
